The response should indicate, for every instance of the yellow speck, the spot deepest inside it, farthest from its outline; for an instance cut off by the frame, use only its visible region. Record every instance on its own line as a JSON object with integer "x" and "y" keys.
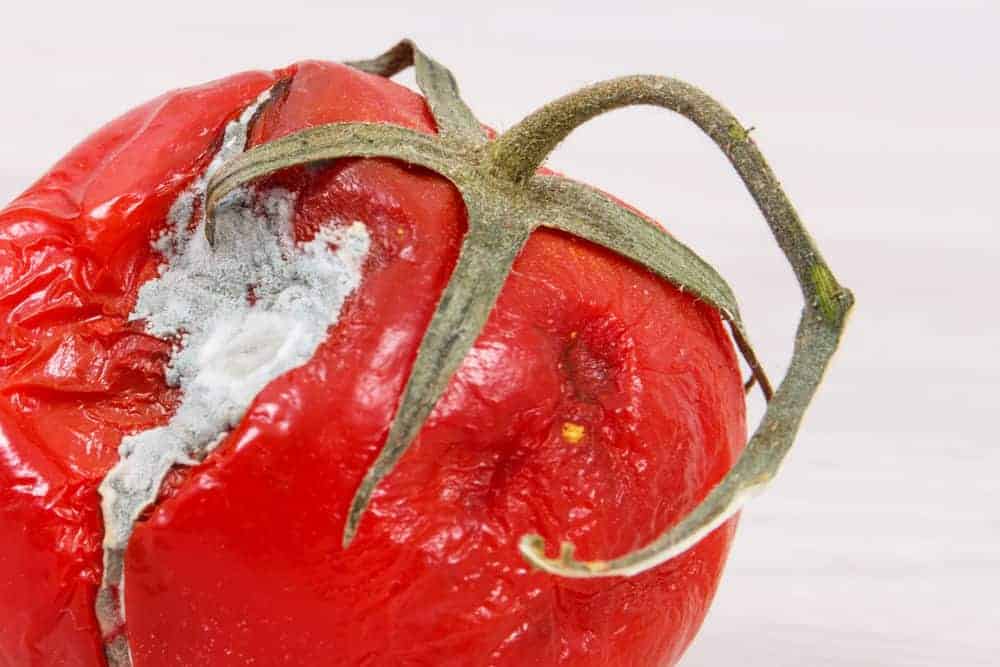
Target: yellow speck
{"x": 597, "y": 566}
{"x": 573, "y": 433}
{"x": 572, "y": 335}
{"x": 400, "y": 231}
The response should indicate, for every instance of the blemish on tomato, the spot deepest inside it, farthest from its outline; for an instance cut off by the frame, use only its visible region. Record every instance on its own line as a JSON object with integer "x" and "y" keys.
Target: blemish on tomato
{"x": 589, "y": 364}
{"x": 573, "y": 433}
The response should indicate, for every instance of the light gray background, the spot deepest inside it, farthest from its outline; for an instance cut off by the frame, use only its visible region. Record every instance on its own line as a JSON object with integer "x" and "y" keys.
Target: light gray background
{"x": 878, "y": 545}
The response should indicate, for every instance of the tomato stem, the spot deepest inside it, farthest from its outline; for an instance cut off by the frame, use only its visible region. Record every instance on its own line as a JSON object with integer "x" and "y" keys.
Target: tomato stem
{"x": 506, "y": 200}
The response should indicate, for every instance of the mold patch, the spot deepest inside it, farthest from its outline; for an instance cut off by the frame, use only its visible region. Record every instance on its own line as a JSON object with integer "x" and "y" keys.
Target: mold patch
{"x": 242, "y": 313}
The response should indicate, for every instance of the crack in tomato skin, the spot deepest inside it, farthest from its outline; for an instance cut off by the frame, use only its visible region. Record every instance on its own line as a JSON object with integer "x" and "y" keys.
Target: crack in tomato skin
{"x": 241, "y": 558}
{"x": 74, "y": 375}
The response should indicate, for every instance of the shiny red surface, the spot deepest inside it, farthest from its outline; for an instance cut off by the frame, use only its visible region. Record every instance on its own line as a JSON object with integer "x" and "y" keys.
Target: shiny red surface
{"x": 240, "y": 561}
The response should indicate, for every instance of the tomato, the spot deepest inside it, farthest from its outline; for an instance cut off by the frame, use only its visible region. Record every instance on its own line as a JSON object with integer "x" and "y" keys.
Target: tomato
{"x": 599, "y": 404}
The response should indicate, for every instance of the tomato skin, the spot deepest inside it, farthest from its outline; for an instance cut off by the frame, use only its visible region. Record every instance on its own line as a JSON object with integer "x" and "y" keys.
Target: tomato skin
{"x": 241, "y": 558}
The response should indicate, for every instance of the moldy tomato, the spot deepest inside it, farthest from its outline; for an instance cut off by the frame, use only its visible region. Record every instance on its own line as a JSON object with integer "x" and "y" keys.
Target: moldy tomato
{"x": 547, "y": 360}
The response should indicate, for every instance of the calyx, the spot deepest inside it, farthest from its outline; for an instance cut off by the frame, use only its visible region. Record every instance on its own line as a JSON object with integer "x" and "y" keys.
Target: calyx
{"x": 506, "y": 200}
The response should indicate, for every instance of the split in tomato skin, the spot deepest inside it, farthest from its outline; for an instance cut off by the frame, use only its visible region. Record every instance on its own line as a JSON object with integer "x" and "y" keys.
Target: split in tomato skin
{"x": 598, "y": 406}
{"x": 75, "y": 376}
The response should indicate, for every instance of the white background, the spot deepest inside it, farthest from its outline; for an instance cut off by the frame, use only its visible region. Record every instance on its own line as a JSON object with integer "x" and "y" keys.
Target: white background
{"x": 878, "y": 545}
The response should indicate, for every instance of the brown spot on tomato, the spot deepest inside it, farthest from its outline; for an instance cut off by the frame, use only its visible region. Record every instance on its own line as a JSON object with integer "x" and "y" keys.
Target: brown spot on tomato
{"x": 597, "y": 359}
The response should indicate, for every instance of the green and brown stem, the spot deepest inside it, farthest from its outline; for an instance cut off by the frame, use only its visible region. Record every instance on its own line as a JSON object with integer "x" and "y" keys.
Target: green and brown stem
{"x": 520, "y": 151}
{"x": 506, "y": 200}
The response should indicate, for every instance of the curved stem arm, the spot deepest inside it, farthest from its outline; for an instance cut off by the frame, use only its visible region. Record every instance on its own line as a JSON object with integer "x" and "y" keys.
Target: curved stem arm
{"x": 517, "y": 155}
{"x": 519, "y": 152}
{"x": 814, "y": 345}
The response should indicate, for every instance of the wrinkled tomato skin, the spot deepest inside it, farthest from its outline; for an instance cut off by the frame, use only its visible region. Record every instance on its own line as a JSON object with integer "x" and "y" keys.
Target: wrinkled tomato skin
{"x": 240, "y": 560}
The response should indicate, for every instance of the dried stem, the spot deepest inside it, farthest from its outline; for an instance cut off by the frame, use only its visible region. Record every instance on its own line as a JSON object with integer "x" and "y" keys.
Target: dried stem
{"x": 506, "y": 200}
{"x": 518, "y": 153}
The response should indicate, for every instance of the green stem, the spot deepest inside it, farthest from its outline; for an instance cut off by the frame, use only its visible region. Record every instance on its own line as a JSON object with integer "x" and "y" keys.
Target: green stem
{"x": 519, "y": 152}
{"x": 516, "y": 156}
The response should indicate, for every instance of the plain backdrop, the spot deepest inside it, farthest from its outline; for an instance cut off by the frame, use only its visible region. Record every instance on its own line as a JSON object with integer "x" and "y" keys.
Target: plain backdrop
{"x": 878, "y": 544}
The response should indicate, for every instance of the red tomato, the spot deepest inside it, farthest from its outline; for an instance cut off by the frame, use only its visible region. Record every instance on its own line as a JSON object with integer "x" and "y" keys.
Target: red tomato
{"x": 598, "y": 406}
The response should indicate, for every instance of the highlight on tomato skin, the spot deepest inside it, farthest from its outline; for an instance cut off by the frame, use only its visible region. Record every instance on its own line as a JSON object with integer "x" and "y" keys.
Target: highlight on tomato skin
{"x": 598, "y": 405}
